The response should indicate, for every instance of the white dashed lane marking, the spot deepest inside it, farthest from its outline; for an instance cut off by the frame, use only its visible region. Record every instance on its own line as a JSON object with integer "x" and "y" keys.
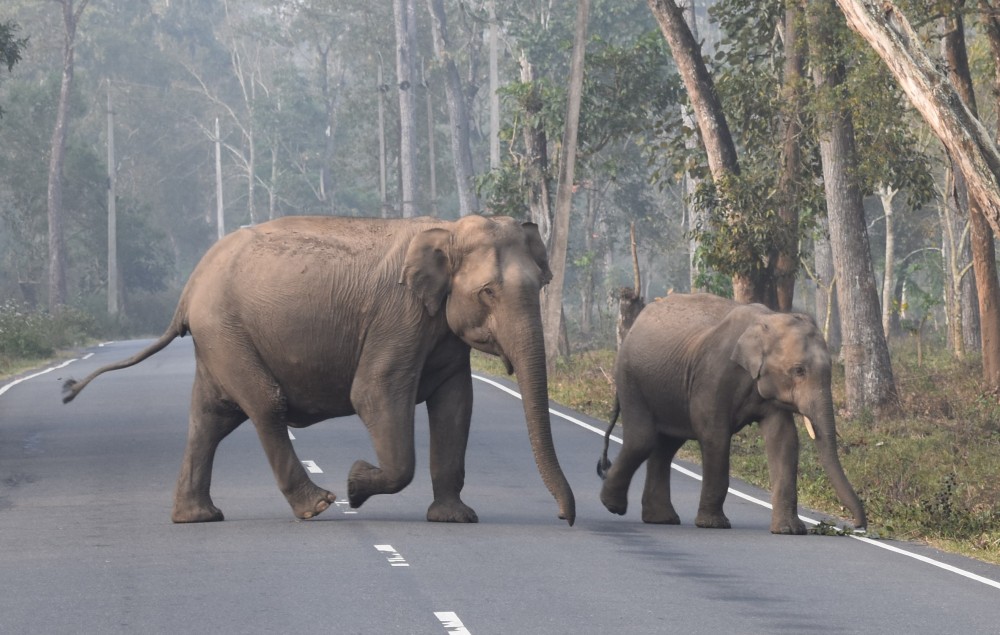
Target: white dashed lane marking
{"x": 312, "y": 467}
{"x": 393, "y": 556}
{"x": 451, "y": 622}
{"x": 345, "y": 507}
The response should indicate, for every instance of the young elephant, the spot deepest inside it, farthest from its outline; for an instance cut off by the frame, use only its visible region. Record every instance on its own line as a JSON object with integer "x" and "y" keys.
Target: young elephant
{"x": 306, "y": 318}
{"x": 704, "y": 367}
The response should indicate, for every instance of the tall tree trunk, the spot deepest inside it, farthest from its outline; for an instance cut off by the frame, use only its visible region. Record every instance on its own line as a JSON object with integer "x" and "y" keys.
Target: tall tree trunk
{"x": 954, "y": 243}
{"x": 715, "y": 135}
{"x": 537, "y": 155}
{"x": 590, "y": 268}
{"x": 404, "y": 18}
{"x": 969, "y": 144}
{"x": 494, "y": 79}
{"x": 564, "y": 194}
{"x": 869, "y": 381}
{"x": 886, "y": 194}
{"x": 461, "y": 153}
{"x": 57, "y": 157}
{"x": 692, "y": 215}
{"x": 331, "y": 102}
{"x": 383, "y": 194}
{"x": 787, "y": 264}
{"x": 827, "y": 312}
{"x": 984, "y": 263}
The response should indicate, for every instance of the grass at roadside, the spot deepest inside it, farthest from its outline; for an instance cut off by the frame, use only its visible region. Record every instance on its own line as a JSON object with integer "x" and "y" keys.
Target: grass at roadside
{"x": 29, "y": 339}
{"x": 931, "y": 475}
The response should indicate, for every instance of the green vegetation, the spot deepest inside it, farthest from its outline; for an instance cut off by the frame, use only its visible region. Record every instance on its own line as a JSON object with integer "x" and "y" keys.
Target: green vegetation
{"x": 930, "y": 475}
{"x": 28, "y": 338}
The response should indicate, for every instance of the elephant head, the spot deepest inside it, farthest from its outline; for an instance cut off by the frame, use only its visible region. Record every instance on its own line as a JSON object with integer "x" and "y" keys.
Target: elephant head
{"x": 789, "y": 360}
{"x": 487, "y": 273}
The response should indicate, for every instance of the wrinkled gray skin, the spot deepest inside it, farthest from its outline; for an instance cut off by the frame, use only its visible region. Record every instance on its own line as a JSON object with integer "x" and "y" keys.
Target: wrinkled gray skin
{"x": 704, "y": 367}
{"x": 306, "y": 318}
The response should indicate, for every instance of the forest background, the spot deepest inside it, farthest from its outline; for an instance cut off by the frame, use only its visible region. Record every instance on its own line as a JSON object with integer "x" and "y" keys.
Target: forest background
{"x": 134, "y": 134}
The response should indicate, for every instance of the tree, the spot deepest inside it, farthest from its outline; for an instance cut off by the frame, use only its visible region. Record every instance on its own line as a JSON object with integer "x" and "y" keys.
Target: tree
{"x": 793, "y": 98}
{"x": 889, "y": 33}
{"x": 743, "y": 233}
{"x": 981, "y": 238}
{"x": 405, "y": 22}
{"x": 11, "y": 46}
{"x": 869, "y": 379}
{"x": 564, "y": 195}
{"x": 71, "y": 13}
{"x": 457, "y": 118}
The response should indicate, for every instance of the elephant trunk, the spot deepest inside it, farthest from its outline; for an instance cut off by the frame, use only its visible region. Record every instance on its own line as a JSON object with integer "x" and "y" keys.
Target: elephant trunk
{"x": 527, "y": 358}
{"x": 826, "y": 445}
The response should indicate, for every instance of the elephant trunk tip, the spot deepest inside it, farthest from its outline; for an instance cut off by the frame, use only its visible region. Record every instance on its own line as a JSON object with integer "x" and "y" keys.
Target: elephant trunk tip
{"x": 567, "y": 511}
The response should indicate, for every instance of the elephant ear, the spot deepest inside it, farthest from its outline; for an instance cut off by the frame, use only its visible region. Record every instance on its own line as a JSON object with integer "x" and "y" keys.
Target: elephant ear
{"x": 537, "y": 249}
{"x": 749, "y": 350}
{"x": 427, "y": 267}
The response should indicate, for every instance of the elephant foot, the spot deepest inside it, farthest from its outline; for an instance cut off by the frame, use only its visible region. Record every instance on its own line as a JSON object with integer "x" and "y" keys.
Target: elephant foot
{"x": 451, "y": 512}
{"x": 660, "y": 516}
{"x": 616, "y": 504}
{"x": 788, "y": 526}
{"x": 190, "y": 513}
{"x": 310, "y": 501}
{"x": 712, "y": 520}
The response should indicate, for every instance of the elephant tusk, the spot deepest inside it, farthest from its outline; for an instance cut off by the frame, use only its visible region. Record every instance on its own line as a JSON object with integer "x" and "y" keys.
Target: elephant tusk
{"x": 809, "y": 427}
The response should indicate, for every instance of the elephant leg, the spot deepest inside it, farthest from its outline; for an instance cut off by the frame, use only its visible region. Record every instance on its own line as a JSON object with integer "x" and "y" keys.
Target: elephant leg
{"x": 385, "y": 404}
{"x": 450, "y": 412}
{"x": 656, "y": 505}
{"x": 638, "y": 442}
{"x": 715, "y": 483}
{"x": 782, "y": 443}
{"x": 262, "y": 399}
{"x": 211, "y": 420}
{"x": 306, "y": 499}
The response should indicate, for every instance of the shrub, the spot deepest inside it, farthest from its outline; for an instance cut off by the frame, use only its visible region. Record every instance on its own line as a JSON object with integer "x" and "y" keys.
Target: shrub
{"x": 31, "y": 334}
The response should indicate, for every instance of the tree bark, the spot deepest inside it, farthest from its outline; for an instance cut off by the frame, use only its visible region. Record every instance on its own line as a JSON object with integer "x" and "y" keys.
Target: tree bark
{"x": 980, "y": 237}
{"x": 564, "y": 193}
{"x": 590, "y": 269}
{"x": 787, "y": 264}
{"x": 57, "y": 157}
{"x": 827, "y": 312}
{"x": 692, "y": 215}
{"x": 869, "y": 381}
{"x": 968, "y": 142}
{"x": 886, "y": 194}
{"x": 404, "y": 18}
{"x": 494, "y": 80}
{"x": 722, "y": 158}
{"x": 536, "y": 157}
{"x": 723, "y": 162}
{"x": 458, "y": 119}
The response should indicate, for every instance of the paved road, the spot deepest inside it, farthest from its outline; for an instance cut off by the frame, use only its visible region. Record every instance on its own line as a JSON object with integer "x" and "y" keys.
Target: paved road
{"x": 86, "y": 544}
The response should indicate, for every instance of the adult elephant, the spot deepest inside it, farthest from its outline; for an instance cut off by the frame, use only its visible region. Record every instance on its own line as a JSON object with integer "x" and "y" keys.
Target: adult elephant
{"x": 306, "y": 318}
{"x": 704, "y": 367}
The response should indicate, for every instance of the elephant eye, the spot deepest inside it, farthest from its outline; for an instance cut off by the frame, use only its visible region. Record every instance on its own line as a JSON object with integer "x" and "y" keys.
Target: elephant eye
{"x": 487, "y": 291}
{"x": 798, "y": 371}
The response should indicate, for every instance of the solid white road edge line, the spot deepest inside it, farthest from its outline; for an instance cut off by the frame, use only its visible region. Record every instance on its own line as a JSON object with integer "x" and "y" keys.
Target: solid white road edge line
{"x": 762, "y": 503}
{"x": 7, "y": 387}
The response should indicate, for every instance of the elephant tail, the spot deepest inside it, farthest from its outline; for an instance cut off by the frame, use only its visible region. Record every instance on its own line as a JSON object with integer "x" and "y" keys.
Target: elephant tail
{"x": 603, "y": 464}
{"x": 71, "y": 388}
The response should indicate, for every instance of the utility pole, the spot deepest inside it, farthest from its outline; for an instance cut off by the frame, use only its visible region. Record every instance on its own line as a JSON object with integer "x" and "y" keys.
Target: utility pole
{"x": 112, "y": 215}
{"x": 220, "y": 219}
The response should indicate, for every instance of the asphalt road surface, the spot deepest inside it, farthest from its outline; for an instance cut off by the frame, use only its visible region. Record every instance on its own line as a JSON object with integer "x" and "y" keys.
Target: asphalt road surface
{"x": 87, "y": 546}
